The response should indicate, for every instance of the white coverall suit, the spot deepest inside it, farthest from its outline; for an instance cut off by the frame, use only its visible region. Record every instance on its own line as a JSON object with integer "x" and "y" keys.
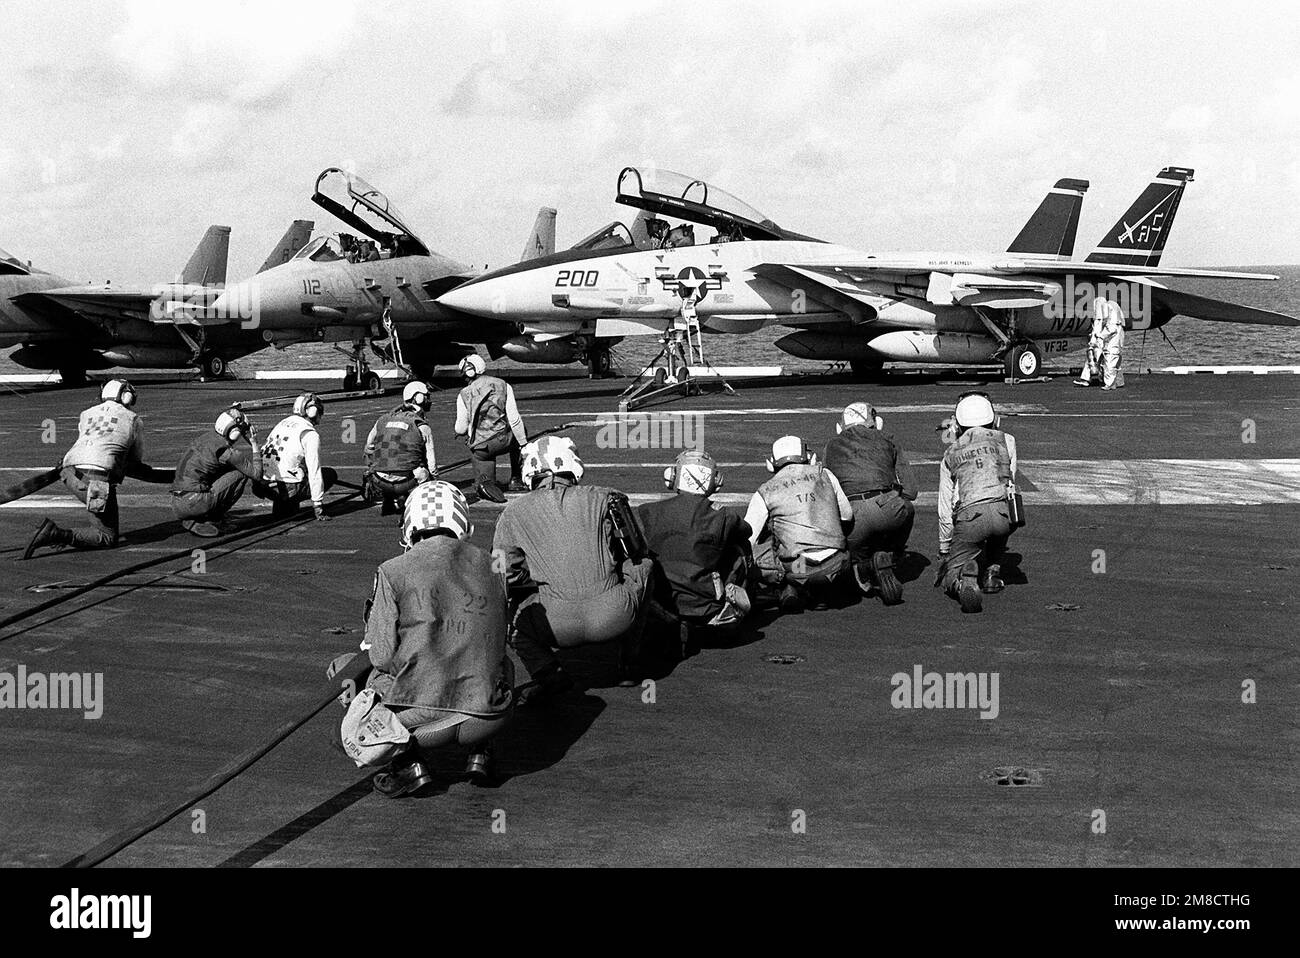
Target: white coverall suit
{"x": 1112, "y": 344}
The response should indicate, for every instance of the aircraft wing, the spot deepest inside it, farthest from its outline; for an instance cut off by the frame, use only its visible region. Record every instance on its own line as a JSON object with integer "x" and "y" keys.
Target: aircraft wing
{"x": 1045, "y": 267}
{"x": 102, "y": 303}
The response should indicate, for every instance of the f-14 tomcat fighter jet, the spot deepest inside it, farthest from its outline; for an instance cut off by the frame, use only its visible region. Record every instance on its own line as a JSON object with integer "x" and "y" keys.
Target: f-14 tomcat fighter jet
{"x": 377, "y": 285}
{"x": 72, "y": 328}
{"x": 844, "y": 304}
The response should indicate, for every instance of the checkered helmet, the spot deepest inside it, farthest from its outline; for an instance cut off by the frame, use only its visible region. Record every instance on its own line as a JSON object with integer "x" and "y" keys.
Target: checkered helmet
{"x": 436, "y": 505}
{"x": 118, "y": 391}
{"x": 548, "y": 456}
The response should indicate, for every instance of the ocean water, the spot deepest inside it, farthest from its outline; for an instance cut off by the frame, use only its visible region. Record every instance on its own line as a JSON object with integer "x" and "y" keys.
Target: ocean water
{"x": 1190, "y": 341}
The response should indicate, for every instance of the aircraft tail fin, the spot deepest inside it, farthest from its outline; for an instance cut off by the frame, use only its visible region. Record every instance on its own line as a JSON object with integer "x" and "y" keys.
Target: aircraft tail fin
{"x": 1052, "y": 228}
{"x": 207, "y": 267}
{"x": 294, "y": 239}
{"x": 1139, "y": 238}
{"x": 541, "y": 241}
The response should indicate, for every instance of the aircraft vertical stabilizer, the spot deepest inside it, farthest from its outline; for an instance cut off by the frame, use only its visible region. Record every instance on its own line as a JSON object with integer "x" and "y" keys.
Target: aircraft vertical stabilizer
{"x": 207, "y": 267}
{"x": 541, "y": 242}
{"x": 1139, "y": 237}
{"x": 1052, "y": 228}
{"x": 294, "y": 239}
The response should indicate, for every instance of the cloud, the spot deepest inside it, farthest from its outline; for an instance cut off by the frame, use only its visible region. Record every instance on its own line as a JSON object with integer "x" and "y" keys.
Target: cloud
{"x": 239, "y": 50}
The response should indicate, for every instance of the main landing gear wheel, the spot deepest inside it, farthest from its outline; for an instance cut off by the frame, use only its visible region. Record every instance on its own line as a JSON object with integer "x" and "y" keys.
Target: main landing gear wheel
{"x": 371, "y": 382}
{"x": 1023, "y": 361}
{"x": 212, "y": 367}
{"x": 73, "y": 377}
{"x": 599, "y": 363}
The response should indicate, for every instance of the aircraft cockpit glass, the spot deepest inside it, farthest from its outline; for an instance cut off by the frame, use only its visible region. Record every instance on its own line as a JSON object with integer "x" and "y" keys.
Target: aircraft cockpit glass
{"x": 368, "y": 211}
{"x": 322, "y": 249}
{"x": 11, "y": 265}
{"x": 613, "y": 236}
{"x": 682, "y": 197}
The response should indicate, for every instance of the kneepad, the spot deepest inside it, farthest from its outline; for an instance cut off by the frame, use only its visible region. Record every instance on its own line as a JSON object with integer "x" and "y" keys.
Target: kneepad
{"x": 371, "y": 733}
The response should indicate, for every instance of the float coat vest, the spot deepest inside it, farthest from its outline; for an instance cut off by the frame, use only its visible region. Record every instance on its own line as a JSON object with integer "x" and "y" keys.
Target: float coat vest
{"x": 803, "y": 510}
{"x": 980, "y": 464}
{"x": 485, "y": 399}
{"x": 399, "y": 445}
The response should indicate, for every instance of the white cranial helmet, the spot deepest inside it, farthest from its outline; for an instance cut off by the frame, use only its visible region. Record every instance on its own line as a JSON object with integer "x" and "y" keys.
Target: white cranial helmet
{"x": 473, "y": 365}
{"x": 435, "y": 505}
{"x": 787, "y": 450}
{"x": 309, "y": 406}
{"x": 230, "y": 422}
{"x": 118, "y": 391}
{"x": 550, "y": 455}
{"x": 974, "y": 410}
{"x": 416, "y": 393}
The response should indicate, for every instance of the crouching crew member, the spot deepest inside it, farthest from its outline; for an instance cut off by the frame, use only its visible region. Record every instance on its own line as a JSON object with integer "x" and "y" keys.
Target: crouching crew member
{"x": 797, "y": 521}
{"x": 486, "y": 415}
{"x": 974, "y": 514}
{"x": 563, "y": 539}
{"x": 109, "y": 447}
{"x": 399, "y": 450}
{"x": 701, "y": 552}
{"x": 214, "y": 471}
{"x": 436, "y": 637}
{"x": 291, "y": 467}
{"x": 878, "y": 482}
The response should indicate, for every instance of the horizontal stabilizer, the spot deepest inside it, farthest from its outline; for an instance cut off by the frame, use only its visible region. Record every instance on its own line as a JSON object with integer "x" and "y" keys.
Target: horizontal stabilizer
{"x": 1200, "y": 307}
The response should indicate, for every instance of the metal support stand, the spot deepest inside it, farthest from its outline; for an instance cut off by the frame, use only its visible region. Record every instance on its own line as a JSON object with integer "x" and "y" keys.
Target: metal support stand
{"x": 668, "y": 375}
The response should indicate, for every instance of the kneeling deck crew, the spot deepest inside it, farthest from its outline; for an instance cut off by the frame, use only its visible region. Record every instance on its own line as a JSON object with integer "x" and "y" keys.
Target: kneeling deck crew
{"x": 878, "y": 482}
{"x": 214, "y": 471}
{"x": 399, "y": 450}
{"x": 562, "y": 539}
{"x": 974, "y": 512}
{"x": 436, "y": 637}
{"x": 488, "y": 418}
{"x": 109, "y": 447}
{"x": 291, "y": 464}
{"x": 702, "y": 552}
{"x": 797, "y": 522}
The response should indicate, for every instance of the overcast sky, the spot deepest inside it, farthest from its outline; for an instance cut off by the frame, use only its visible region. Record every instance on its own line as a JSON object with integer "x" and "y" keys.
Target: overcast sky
{"x": 128, "y": 127}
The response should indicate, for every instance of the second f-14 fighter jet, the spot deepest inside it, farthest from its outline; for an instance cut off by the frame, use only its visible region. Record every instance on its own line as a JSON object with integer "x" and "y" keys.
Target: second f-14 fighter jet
{"x": 376, "y": 285}
{"x": 845, "y": 304}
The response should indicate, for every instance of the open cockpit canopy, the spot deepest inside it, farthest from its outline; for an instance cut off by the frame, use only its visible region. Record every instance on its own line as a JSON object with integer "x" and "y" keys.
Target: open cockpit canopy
{"x": 666, "y": 193}
{"x": 368, "y": 211}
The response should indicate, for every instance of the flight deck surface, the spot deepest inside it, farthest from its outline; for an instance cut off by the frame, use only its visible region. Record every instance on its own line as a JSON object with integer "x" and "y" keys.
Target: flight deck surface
{"x": 1120, "y": 691}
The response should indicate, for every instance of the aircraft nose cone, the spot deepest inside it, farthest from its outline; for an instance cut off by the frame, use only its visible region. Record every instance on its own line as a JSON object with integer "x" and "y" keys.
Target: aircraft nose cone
{"x": 478, "y": 299}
